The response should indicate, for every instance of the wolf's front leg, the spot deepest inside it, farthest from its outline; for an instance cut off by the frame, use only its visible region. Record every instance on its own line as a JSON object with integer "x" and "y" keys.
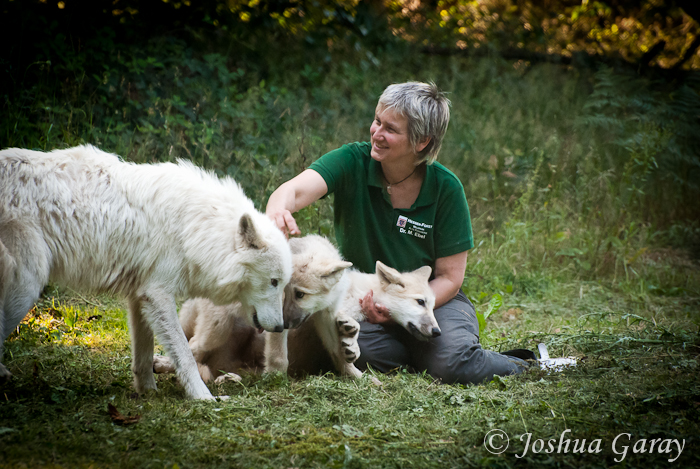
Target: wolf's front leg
{"x": 348, "y": 331}
{"x": 349, "y": 347}
{"x": 155, "y": 307}
{"x": 334, "y": 327}
{"x": 141, "y": 347}
{"x": 276, "y": 358}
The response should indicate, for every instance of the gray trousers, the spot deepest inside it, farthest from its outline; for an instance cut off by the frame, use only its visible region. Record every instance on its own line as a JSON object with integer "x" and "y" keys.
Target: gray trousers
{"x": 454, "y": 357}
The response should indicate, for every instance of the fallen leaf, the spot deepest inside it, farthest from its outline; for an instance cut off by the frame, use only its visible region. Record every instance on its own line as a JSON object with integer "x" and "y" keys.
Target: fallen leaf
{"x": 512, "y": 314}
{"x": 493, "y": 162}
{"x": 120, "y": 419}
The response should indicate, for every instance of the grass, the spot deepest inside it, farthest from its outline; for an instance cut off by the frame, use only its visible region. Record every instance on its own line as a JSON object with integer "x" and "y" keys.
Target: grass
{"x": 637, "y": 375}
{"x": 580, "y": 185}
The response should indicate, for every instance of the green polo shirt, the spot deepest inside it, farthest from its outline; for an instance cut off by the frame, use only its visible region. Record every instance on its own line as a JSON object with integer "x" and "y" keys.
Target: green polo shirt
{"x": 368, "y": 228}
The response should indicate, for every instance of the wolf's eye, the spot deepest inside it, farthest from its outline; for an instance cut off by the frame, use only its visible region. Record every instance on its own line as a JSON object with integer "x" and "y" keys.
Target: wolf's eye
{"x": 273, "y": 282}
{"x": 421, "y": 302}
{"x": 299, "y": 294}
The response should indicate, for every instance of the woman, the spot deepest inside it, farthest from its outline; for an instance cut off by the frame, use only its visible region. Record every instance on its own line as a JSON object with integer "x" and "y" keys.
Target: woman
{"x": 395, "y": 204}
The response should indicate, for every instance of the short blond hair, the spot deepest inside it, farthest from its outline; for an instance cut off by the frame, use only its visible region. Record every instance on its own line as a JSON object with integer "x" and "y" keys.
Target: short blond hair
{"x": 427, "y": 111}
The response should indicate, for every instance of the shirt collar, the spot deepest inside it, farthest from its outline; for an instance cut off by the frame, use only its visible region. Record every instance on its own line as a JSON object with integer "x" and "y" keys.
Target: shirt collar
{"x": 428, "y": 191}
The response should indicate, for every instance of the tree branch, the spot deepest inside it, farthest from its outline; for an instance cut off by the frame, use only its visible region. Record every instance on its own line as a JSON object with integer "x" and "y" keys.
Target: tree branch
{"x": 524, "y": 54}
{"x": 578, "y": 59}
{"x": 690, "y": 7}
{"x": 689, "y": 52}
{"x": 651, "y": 54}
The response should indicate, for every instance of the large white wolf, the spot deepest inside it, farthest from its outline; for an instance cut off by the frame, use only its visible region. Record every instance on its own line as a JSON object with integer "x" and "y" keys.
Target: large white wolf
{"x": 85, "y": 219}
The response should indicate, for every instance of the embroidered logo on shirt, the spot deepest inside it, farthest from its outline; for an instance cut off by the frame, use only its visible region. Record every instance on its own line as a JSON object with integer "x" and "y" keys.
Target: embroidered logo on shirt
{"x": 413, "y": 227}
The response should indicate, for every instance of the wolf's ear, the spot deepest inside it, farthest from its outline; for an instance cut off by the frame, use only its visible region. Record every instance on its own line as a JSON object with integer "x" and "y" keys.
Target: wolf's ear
{"x": 249, "y": 234}
{"x": 389, "y": 276}
{"x": 424, "y": 272}
{"x": 334, "y": 270}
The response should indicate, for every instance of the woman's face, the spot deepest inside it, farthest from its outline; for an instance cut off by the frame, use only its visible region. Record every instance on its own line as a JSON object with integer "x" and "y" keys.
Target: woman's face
{"x": 389, "y": 137}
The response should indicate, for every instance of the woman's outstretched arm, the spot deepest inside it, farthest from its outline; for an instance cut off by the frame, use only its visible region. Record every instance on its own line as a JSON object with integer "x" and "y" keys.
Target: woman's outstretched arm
{"x": 295, "y": 194}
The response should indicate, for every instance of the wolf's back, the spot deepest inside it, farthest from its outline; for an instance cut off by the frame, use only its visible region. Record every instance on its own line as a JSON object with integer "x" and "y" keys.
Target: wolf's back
{"x": 91, "y": 233}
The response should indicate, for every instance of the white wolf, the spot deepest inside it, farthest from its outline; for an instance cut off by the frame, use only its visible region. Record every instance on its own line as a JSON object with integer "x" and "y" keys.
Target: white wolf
{"x": 407, "y": 296}
{"x": 83, "y": 218}
{"x": 219, "y": 340}
{"x": 323, "y": 290}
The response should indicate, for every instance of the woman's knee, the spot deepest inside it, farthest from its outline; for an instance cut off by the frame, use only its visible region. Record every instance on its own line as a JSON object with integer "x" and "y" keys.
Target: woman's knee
{"x": 458, "y": 313}
{"x": 474, "y": 366}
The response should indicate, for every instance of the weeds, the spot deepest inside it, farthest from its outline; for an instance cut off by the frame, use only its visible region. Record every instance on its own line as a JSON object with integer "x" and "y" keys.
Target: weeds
{"x": 582, "y": 187}
{"x": 637, "y": 355}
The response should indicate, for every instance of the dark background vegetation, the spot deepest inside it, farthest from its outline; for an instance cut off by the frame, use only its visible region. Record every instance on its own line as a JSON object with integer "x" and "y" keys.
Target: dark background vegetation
{"x": 575, "y": 131}
{"x": 575, "y": 90}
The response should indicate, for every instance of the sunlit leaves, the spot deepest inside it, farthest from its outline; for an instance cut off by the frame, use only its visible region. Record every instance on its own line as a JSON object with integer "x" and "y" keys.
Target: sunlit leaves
{"x": 597, "y": 28}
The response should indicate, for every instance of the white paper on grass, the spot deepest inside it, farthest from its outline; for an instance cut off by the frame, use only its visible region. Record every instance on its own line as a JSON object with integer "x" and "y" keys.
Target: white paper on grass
{"x": 553, "y": 364}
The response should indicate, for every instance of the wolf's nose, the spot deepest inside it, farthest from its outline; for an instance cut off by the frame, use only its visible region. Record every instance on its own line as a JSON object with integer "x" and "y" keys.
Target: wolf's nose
{"x": 436, "y": 331}
{"x": 279, "y": 328}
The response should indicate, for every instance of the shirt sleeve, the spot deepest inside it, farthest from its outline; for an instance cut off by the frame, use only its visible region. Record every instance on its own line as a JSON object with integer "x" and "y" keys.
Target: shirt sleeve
{"x": 337, "y": 166}
{"x": 455, "y": 233}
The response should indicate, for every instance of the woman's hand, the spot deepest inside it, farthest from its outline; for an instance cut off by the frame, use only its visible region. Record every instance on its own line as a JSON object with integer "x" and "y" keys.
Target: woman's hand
{"x": 285, "y": 222}
{"x": 295, "y": 194}
{"x": 374, "y": 312}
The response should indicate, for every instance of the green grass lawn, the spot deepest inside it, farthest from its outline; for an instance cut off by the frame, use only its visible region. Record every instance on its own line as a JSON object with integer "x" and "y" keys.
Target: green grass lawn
{"x": 635, "y": 386}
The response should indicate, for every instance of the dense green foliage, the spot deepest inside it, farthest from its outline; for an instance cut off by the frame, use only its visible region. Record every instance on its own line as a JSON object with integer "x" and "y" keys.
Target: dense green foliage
{"x": 582, "y": 181}
{"x": 603, "y": 153}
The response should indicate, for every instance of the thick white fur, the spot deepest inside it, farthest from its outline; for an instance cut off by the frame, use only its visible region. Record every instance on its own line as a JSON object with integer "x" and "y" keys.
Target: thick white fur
{"x": 408, "y": 297}
{"x": 320, "y": 274}
{"x": 85, "y": 219}
{"x": 330, "y": 303}
{"x": 217, "y": 338}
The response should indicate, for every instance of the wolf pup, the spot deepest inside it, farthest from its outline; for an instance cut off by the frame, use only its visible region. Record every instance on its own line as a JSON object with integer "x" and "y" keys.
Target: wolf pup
{"x": 407, "y": 296}
{"x": 83, "y": 218}
{"x": 223, "y": 344}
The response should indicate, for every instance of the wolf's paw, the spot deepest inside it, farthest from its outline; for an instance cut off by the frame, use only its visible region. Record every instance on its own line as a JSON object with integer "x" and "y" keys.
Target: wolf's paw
{"x": 145, "y": 384}
{"x": 349, "y": 350}
{"x": 162, "y": 364}
{"x": 228, "y": 377}
{"x": 351, "y": 371}
{"x": 347, "y": 327}
{"x": 348, "y": 330}
{"x": 276, "y": 365}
